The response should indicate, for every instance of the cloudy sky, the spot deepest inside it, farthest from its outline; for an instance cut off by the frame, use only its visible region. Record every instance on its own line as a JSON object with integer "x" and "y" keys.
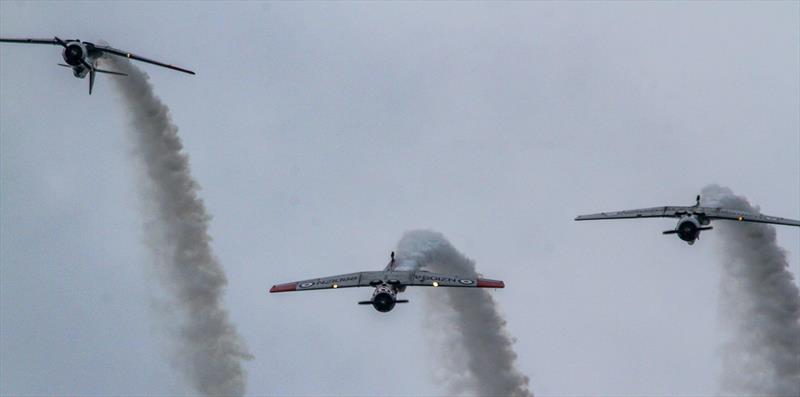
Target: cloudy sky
{"x": 321, "y": 132}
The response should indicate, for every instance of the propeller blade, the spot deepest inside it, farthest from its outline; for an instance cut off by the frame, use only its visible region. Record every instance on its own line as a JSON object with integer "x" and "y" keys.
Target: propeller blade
{"x": 91, "y": 80}
{"x": 59, "y": 41}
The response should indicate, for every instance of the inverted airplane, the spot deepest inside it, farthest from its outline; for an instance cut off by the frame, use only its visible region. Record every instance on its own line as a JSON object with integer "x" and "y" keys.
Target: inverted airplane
{"x": 388, "y": 283}
{"x": 692, "y": 220}
{"x": 82, "y": 57}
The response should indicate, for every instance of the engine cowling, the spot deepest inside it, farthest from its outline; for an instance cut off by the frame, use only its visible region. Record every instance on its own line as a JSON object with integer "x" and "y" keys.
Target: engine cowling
{"x": 688, "y": 228}
{"x": 384, "y": 299}
{"x": 74, "y": 54}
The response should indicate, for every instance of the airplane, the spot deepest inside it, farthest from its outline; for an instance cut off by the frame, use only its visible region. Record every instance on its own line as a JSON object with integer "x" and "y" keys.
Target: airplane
{"x": 387, "y": 283}
{"x": 82, "y": 57}
{"x": 692, "y": 220}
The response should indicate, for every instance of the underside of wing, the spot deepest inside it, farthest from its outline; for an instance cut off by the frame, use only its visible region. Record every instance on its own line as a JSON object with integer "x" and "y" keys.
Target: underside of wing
{"x": 427, "y": 279}
{"x": 341, "y": 281}
{"x": 114, "y": 51}
{"x": 395, "y": 278}
{"x": 721, "y": 213}
{"x": 654, "y": 212}
{"x": 28, "y": 41}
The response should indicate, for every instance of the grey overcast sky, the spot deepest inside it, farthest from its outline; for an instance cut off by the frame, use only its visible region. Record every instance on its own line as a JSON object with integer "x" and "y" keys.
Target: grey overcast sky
{"x": 321, "y": 132}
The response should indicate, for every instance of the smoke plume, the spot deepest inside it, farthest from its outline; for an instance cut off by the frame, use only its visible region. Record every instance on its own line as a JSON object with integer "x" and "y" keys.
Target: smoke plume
{"x": 479, "y": 359}
{"x": 760, "y": 306}
{"x": 207, "y": 348}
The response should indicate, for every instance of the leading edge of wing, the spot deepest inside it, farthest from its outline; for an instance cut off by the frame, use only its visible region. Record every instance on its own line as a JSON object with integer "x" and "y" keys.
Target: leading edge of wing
{"x": 653, "y": 212}
{"x": 28, "y": 41}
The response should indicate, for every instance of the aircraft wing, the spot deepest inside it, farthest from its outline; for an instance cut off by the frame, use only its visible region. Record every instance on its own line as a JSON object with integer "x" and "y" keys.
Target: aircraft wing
{"x": 348, "y": 280}
{"x": 125, "y": 54}
{"x": 654, "y": 212}
{"x": 30, "y": 41}
{"x": 427, "y": 279}
{"x": 721, "y": 213}
{"x": 398, "y": 278}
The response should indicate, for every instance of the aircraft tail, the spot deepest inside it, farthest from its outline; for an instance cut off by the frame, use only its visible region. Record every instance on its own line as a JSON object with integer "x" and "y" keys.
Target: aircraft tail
{"x": 673, "y": 231}
{"x": 92, "y": 74}
{"x": 98, "y": 70}
{"x": 370, "y": 302}
{"x": 110, "y": 72}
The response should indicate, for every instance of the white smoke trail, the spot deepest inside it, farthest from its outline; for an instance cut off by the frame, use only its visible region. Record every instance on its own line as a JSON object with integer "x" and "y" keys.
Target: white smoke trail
{"x": 759, "y": 303}
{"x": 208, "y": 349}
{"x": 478, "y": 356}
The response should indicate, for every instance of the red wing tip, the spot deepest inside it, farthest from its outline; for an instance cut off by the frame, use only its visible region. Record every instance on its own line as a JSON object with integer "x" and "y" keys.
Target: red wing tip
{"x": 490, "y": 284}
{"x": 283, "y": 287}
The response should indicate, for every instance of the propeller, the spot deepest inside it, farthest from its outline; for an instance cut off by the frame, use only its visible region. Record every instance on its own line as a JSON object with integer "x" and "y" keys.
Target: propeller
{"x": 59, "y": 41}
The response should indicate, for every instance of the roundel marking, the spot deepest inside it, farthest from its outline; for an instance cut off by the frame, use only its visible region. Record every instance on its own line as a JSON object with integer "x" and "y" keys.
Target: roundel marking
{"x": 306, "y": 284}
{"x": 465, "y": 281}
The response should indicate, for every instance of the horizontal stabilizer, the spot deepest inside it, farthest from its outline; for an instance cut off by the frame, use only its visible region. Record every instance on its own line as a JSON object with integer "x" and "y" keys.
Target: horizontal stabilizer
{"x": 110, "y": 72}
{"x": 98, "y": 70}
{"x": 370, "y": 302}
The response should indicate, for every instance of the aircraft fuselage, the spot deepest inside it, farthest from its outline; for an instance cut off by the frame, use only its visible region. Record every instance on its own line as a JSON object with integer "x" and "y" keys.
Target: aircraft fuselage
{"x": 76, "y": 55}
{"x": 689, "y": 227}
{"x": 384, "y": 298}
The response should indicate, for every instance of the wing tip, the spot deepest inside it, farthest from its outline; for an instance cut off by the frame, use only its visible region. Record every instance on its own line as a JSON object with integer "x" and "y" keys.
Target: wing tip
{"x": 486, "y": 283}
{"x": 283, "y": 287}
